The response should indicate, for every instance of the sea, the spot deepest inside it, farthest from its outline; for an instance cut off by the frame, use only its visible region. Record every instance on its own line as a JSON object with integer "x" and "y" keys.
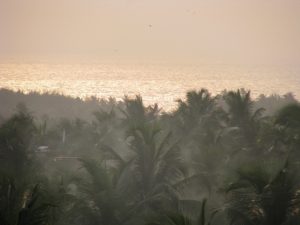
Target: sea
{"x": 160, "y": 83}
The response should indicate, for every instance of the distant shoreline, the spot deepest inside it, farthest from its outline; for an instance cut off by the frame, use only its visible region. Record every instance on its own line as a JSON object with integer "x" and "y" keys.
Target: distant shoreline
{"x": 59, "y": 105}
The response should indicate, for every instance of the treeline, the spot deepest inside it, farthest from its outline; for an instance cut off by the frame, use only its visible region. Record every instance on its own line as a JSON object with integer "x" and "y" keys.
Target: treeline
{"x": 214, "y": 160}
{"x": 51, "y": 104}
{"x": 56, "y": 105}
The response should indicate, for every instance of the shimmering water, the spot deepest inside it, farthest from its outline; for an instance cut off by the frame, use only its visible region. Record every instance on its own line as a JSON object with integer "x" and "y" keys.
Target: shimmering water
{"x": 162, "y": 83}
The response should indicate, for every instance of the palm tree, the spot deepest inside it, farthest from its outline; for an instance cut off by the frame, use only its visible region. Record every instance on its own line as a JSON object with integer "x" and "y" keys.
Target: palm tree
{"x": 259, "y": 198}
{"x": 136, "y": 114}
{"x": 21, "y": 202}
{"x": 99, "y": 200}
{"x": 16, "y": 136}
{"x": 203, "y": 217}
{"x": 35, "y": 211}
{"x": 287, "y": 121}
{"x": 21, "y": 205}
{"x": 156, "y": 162}
{"x": 152, "y": 167}
{"x": 107, "y": 129}
{"x": 201, "y": 125}
{"x": 106, "y": 118}
{"x": 242, "y": 115}
{"x": 196, "y": 106}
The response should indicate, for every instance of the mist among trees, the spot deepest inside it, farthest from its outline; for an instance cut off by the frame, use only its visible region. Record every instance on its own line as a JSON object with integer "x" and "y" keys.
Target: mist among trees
{"x": 224, "y": 159}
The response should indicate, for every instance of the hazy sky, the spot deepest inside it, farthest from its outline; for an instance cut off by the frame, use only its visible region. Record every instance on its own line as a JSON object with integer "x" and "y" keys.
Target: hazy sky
{"x": 187, "y": 30}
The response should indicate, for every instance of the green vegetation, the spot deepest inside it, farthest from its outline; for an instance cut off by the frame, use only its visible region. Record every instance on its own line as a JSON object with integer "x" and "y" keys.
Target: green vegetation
{"x": 214, "y": 160}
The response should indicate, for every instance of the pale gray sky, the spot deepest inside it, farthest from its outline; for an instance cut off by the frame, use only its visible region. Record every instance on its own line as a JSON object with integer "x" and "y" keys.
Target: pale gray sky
{"x": 187, "y": 30}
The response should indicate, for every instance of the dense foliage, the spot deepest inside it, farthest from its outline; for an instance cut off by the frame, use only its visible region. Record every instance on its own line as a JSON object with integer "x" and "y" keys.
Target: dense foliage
{"x": 214, "y": 160}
